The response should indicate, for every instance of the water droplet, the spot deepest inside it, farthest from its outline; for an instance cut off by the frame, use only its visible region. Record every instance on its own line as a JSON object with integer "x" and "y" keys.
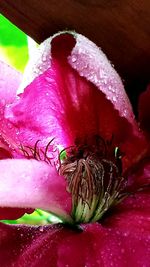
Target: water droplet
{"x": 40, "y": 67}
{"x": 48, "y": 79}
{"x": 41, "y": 228}
{"x": 44, "y": 58}
{"x": 74, "y": 59}
{"x": 81, "y": 74}
{"x": 95, "y": 79}
{"x": 114, "y": 98}
{"x": 105, "y": 81}
{"x": 125, "y": 112}
{"x": 126, "y": 234}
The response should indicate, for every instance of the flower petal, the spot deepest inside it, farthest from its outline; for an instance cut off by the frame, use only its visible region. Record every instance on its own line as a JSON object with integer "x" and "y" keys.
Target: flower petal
{"x": 122, "y": 239}
{"x": 140, "y": 179}
{"x": 12, "y": 213}
{"x": 89, "y": 61}
{"x": 33, "y": 184}
{"x": 4, "y": 151}
{"x": 78, "y": 96}
{"x": 144, "y": 111}
{"x": 9, "y": 83}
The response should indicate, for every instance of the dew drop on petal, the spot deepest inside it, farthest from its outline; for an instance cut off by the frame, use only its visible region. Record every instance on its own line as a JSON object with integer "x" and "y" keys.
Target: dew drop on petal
{"x": 114, "y": 98}
{"x": 74, "y": 59}
{"x": 49, "y": 80}
{"x": 41, "y": 228}
{"x": 105, "y": 81}
{"x": 44, "y": 58}
{"x": 95, "y": 79}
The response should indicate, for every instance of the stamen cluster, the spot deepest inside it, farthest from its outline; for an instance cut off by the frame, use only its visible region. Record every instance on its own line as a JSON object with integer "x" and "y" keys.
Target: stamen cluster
{"x": 94, "y": 179}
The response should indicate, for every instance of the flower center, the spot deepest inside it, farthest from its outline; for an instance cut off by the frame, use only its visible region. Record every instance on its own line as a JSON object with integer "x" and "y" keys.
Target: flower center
{"x": 94, "y": 179}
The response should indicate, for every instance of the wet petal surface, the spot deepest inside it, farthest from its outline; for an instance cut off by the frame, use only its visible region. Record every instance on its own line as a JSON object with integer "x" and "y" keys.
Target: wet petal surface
{"x": 33, "y": 184}
{"x": 122, "y": 238}
{"x": 66, "y": 103}
{"x": 9, "y": 82}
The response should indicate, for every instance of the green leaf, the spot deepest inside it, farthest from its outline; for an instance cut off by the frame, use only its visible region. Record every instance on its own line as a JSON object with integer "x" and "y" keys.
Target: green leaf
{"x": 13, "y": 45}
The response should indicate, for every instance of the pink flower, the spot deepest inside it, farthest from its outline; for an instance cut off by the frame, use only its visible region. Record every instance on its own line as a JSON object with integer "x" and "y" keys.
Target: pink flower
{"x": 70, "y": 145}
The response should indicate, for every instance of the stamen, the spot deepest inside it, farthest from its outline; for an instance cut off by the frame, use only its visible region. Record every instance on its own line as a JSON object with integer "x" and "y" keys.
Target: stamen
{"x": 94, "y": 179}
{"x": 25, "y": 153}
{"x": 37, "y": 152}
{"x": 46, "y": 149}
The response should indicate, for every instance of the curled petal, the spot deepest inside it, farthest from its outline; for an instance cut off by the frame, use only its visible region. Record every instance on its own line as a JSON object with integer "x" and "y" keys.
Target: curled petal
{"x": 77, "y": 94}
{"x": 122, "y": 239}
{"x": 33, "y": 184}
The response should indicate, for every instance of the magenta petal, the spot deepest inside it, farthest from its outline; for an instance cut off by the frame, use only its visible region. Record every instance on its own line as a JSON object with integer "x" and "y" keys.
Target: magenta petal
{"x": 33, "y": 184}
{"x": 122, "y": 239}
{"x": 144, "y": 111}
{"x": 140, "y": 178}
{"x": 89, "y": 61}
{"x": 4, "y": 151}
{"x": 77, "y": 96}
{"x": 9, "y": 82}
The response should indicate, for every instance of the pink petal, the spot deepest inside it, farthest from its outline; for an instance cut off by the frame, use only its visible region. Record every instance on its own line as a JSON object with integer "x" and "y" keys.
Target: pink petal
{"x": 144, "y": 111}
{"x": 10, "y": 213}
{"x": 122, "y": 239}
{"x": 33, "y": 184}
{"x": 9, "y": 83}
{"x": 79, "y": 95}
